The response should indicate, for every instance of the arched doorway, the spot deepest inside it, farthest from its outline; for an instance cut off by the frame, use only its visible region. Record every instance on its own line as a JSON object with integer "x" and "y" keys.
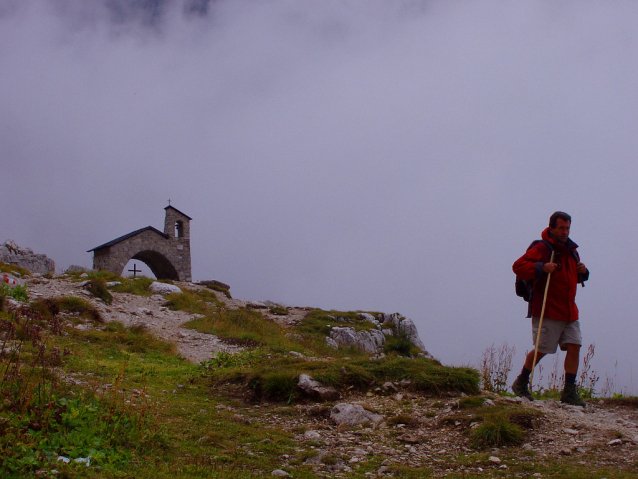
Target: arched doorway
{"x": 158, "y": 264}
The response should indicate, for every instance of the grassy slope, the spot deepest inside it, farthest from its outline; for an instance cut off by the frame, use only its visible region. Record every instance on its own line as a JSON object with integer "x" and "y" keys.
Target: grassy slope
{"x": 143, "y": 412}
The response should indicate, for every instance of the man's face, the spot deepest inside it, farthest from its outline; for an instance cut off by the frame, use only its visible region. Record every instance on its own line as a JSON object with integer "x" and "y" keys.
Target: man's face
{"x": 561, "y": 231}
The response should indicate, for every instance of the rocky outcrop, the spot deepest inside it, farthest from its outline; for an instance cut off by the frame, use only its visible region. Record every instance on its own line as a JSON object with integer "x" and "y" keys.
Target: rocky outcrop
{"x": 372, "y": 341}
{"x": 12, "y": 253}
{"x": 369, "y": 341}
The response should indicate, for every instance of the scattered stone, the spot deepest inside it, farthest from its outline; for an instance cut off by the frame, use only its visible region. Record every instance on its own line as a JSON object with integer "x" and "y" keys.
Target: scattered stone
{"x": 343, "y": 427}
{"x": 409, "y": 439}
{"x": 494, "y": 460}
{"x": 571, "y": 432}
{"x": 615, "y": 442}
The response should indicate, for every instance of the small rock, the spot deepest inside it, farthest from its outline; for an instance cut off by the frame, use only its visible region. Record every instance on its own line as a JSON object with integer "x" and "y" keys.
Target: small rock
{"x": 163, "y": 288}
{"x": 494, "y": 460}
{"x": 566, "y": 452}
{"x": 615, "y": 442}
{"x": 571, "y": 432}
{"x": 279, "y": 473}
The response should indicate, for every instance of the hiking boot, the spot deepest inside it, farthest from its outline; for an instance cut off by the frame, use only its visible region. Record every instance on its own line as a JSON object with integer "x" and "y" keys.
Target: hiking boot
{"x": 570, "y": 396}
{"x": 520, "y": 388}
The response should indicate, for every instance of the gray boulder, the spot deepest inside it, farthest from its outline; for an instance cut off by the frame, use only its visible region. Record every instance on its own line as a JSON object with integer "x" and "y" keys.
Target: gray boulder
{"x": 12, "y": 253}
{"x": 353, "y": 414}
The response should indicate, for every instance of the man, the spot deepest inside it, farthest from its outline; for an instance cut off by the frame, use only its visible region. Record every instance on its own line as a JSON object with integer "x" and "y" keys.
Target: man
{"x": 560, "y": 321}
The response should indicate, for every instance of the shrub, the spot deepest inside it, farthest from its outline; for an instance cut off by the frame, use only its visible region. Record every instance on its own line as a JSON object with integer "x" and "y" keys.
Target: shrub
{"x": 18, "y": 293}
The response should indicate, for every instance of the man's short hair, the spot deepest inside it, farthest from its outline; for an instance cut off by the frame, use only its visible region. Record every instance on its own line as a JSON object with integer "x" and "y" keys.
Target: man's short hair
{"x": 553, "y": 220}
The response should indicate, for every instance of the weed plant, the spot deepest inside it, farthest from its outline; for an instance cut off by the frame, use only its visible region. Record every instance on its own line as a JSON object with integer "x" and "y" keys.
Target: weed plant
{"x": 495, "y": 365}
{"x": 19, "y": 292}
{"x": 41, "y": 417}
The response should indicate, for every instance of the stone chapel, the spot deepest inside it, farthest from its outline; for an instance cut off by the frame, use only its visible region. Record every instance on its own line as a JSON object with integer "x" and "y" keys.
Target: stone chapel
{"x": 167, "y": 254}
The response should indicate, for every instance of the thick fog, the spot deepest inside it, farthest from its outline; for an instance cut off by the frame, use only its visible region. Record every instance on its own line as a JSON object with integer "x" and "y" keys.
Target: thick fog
{"x": 379, "y": 156}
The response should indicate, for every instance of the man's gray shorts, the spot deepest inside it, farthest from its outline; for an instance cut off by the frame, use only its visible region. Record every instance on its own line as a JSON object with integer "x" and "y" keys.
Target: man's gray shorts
{"x": 555, "y": 332}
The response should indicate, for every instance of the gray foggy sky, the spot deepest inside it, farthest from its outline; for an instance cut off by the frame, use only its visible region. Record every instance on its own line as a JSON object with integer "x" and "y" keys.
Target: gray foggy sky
{"x": 377, "y": 155}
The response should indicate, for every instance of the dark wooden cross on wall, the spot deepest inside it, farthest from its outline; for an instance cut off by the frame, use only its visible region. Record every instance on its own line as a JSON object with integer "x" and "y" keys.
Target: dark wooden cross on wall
{"x": 135, "y": 270}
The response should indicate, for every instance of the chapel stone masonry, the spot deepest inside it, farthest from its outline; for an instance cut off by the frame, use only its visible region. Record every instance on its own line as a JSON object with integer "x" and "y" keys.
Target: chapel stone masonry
{"x": 167, "y": 254}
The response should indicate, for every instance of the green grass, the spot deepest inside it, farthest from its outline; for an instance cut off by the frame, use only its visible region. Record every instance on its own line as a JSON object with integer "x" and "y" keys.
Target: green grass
{"x": 12, "y": 269}
{"x": 80, "y": 307}
{"x": 274, "y": 377}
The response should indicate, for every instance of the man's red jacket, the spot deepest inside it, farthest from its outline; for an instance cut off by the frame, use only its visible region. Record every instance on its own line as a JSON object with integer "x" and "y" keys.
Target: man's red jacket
{"x": 561, "y": 296}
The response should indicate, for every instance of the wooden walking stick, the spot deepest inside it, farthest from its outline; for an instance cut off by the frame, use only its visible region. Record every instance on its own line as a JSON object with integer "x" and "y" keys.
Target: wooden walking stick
{"x": 540, "y": 324}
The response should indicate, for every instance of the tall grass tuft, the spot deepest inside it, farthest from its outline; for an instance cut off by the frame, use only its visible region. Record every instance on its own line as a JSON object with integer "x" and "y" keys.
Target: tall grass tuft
{"x": 97, "y": 287}
{"x": 496, "y": 431}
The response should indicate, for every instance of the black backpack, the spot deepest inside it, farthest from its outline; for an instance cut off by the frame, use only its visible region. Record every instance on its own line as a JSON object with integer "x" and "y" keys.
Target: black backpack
{"x": 525, "y": 287}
